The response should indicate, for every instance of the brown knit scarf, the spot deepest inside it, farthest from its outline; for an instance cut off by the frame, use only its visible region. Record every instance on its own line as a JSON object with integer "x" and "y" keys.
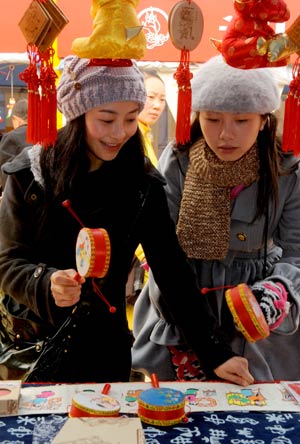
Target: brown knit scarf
{"x": 204, "y": 218}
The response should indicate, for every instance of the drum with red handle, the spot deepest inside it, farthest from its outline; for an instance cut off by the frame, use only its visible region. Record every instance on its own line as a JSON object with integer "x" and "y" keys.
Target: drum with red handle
{"x": 90, "y": 403}
{"x": 161, "y": 406}
{"x": 92, "y": 248}
{"x": 92, "y": 252}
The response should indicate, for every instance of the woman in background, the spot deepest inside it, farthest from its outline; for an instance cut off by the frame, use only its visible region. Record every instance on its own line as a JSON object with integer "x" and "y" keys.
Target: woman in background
{"x": 153, "y": 109}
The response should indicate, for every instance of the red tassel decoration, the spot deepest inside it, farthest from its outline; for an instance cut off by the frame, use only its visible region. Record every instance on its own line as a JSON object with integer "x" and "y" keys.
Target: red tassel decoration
{"x": 291, "y": 125}
{"x": 42, "y": 104}
{"x": 41, "y": 24}
{"x": 48, "y": 99}
{"x": 183, "y": 77}
{"x": 30, "y": 76}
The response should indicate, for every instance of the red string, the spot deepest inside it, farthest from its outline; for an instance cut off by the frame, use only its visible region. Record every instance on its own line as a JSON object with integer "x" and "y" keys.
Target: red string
{"x": 97, "y": 290}
{"x": 205, "y": 290}
{"x": 110, "y": 62}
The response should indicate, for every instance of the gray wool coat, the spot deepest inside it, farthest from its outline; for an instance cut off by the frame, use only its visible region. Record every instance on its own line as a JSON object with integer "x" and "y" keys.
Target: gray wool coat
{"x": 276, "y": 357}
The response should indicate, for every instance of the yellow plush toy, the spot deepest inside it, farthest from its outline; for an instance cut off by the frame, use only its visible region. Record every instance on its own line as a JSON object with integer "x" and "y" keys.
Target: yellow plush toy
{"x": 117, "y": 32}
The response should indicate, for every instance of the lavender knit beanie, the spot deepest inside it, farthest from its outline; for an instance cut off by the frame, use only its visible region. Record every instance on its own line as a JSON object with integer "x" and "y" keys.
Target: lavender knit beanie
{"x": 82, "y": 87}
{"x": 217, "y": 86}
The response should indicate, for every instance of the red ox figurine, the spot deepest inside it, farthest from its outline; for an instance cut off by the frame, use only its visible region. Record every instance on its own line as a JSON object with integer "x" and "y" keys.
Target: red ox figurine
{"x": 250, "y": 42}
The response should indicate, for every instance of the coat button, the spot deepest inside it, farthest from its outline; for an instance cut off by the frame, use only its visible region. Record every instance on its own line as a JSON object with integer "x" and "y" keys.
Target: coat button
{"x": 241, "y": 236}
{"x": 37, "y": 272}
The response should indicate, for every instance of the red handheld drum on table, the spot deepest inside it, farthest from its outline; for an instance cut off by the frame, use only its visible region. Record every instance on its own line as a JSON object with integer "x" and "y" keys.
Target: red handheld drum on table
{"x": 92, "y": 404}
{"x": 247, "y": 313}
{"x": 161, "y": 406}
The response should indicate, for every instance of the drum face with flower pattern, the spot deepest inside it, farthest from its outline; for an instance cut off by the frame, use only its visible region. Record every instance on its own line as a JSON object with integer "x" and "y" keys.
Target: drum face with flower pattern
{"x": 92, "y": 404}
{"x": 92, "y": 252}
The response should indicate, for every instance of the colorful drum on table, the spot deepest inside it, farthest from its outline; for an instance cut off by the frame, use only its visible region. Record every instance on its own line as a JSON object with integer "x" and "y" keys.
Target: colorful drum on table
{"x": 161, "y": 406}
{"x": 247, "y": 313}
{"x": 92, "y": 404}
{"x": 93, "y": 252}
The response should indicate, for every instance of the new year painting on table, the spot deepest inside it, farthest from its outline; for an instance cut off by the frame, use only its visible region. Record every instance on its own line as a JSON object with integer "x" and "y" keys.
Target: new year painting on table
{"x": 199, "y": 396}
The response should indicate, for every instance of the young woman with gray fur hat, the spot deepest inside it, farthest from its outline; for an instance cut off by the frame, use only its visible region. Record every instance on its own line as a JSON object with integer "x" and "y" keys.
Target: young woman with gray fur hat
{"x": 98, "y": 164}
{"x": 235, "y": 199}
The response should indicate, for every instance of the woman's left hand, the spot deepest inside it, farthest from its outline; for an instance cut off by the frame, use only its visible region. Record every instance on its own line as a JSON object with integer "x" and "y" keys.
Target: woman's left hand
{"x": 235, "y": 370}
{"x": 66, "y": 287}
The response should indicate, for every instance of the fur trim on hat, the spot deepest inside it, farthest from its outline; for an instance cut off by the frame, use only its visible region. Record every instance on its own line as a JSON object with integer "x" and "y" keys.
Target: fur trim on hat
{"x": 217, "y": 86}
{"x": 83, "y": 87}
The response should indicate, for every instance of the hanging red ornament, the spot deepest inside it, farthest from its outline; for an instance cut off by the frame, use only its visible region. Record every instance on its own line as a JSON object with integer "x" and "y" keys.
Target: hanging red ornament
{"x": 30, "y": 76}
{"x": 291, "y": 124}
{"x": 48, "y": 98}
{"x": 40, "y": 25}
{"x": 185, "y": 28}
{"x": 183, "y": 77}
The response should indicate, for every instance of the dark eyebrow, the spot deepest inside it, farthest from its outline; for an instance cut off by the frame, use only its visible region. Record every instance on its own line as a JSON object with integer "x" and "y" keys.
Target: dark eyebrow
{"x": 110, "y": 111}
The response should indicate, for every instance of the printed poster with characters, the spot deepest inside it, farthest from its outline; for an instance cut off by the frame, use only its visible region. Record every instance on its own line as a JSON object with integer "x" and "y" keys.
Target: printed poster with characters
{"x": 199, "y": 396}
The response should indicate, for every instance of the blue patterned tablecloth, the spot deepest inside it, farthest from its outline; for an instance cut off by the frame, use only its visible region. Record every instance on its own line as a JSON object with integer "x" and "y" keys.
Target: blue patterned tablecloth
{"x": 201, "y": 428}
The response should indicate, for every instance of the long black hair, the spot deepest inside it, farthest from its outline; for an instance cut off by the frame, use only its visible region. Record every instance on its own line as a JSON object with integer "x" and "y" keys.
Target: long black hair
{"x": 64, "y": 165}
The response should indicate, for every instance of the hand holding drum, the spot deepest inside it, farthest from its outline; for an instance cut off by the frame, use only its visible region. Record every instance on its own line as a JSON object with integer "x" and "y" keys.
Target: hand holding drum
{"x": 92, "y": 249}
{"x": 92, "y": 254}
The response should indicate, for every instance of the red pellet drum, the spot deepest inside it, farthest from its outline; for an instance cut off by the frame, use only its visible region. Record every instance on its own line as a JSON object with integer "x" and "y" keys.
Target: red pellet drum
{"x": 247, "y": 313}
{"x": 92, "y": 252}
{"x": 93, "y": 404}
{"x": 161, "y": 406}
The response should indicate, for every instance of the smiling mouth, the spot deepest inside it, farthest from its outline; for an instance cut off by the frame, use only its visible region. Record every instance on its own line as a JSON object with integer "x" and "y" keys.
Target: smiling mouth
{"x": 113, "y": 147}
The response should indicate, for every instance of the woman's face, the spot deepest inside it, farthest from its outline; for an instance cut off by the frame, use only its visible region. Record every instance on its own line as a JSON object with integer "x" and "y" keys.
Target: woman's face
{"x": 108, "y": 128}
{"x": 230, "y": 135}
{"x": 155, "y": 102}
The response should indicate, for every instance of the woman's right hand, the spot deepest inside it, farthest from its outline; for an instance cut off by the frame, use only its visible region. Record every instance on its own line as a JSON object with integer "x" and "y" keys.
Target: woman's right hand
{"x": 66, "y": 287}
{"x": 235, "y": 370}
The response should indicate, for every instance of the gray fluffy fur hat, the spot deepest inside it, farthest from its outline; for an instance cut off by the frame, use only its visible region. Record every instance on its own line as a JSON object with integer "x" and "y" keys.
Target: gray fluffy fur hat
{"x": 82, "y": 87}
{"x": 217, "y": 86}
